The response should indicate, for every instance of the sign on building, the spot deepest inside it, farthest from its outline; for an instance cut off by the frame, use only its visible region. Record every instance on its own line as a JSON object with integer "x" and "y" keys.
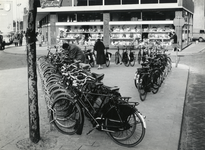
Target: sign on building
{"x": 6, "y": 15}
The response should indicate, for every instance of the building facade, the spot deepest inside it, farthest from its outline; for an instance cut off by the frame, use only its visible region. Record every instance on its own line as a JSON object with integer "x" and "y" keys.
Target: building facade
{"x": 6, "y": 15}
{"x": 199, "y": 15}
{"x": 118, "y": 21}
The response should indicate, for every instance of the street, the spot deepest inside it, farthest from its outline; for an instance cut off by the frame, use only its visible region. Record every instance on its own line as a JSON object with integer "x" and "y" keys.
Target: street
{"x": 193, "y": 132}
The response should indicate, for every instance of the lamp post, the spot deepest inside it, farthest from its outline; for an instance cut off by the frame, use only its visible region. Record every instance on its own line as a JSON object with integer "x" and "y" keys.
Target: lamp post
{"x": 19, "y": 4}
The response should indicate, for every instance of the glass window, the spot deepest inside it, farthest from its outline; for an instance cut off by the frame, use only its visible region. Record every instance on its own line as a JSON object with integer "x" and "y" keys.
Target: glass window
{"x": 130, "y": 1}
{"x": 112, "y": 2}
{"x": 149, "y": 1}
{"x": 67, "y": 3}
{"x": 95, "y": 2}
{"x": 89, "y": 17}
{"x": 80, "y": 2}
{"x": 62, "y": 17}
{"x": 125, "y": 16}
{"x": 158, "y": 15}
{"x": 168, "y": 1}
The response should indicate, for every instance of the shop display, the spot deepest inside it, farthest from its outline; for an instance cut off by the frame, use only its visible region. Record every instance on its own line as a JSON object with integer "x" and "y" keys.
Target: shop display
{"x": 124, "y": 34}
{"x": 81, "y": 35}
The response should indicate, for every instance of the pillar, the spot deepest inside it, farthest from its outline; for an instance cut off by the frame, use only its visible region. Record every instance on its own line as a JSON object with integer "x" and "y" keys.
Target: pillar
{"x": 52, "y": 35}
{"x": 106, "y": 29}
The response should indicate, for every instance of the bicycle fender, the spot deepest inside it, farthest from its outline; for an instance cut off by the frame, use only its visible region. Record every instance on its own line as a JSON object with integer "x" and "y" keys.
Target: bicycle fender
{"x": 80, "y": 125}
{"x": 143, "y": 120}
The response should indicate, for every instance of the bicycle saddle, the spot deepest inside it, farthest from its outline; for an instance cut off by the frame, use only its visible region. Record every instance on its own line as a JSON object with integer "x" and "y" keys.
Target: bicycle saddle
{"x": 98, "y": 76}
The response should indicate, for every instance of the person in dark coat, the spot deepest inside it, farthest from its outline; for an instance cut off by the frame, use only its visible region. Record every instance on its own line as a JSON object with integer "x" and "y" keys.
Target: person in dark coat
{"x": 174, "y": 41}
{"x": 99, "y": 47}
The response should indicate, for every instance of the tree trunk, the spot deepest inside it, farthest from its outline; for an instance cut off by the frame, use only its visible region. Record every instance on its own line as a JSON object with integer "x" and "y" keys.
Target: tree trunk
{"x": 34, "y": 128}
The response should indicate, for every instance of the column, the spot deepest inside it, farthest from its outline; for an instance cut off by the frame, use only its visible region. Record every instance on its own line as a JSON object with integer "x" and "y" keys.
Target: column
{"x": 52, "y": 35}
{"x": 106, "y": 29}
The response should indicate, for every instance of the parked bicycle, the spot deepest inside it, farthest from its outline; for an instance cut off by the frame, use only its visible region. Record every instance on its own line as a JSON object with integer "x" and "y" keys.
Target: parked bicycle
{"x": 153, "y": 72}
{"x": 127, "y": 57}
{"x": 105, "y": 109}
{"x": 90, "y": 57}
{"x": 108, "y": 56}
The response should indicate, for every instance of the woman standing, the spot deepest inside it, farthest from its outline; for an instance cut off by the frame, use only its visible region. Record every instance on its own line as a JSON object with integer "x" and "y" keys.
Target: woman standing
{"x": 99, "y": 47}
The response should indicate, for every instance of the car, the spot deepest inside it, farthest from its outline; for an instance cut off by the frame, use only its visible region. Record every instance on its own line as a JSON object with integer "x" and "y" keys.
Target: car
{"x": 5, "y": 39}
{"x": 199, "y": 36}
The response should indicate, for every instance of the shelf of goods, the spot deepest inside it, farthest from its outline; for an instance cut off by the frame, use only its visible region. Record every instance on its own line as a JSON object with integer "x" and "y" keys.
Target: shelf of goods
{"x": 159, "y": 33}
{"x": 84, "y": 35}
{"x": 124, "y": 34}
{"x": 80, "y": 35}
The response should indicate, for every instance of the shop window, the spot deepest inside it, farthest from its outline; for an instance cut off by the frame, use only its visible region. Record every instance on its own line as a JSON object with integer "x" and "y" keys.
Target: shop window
{"x": 82, "y": 17}
{"x": 130, "y": 1}
{"x": 80, "y": 2}
{"x": 158, "y": 15}
{"x": 125, "y": 16}
{"x": 67, "y": 3}
{"x": 168, "y": 1}
{"x": 149, "y": 1}
{"x": 62, "y": 17}
{"x": 112, "y": 2}
{"x": 95, "y": 2}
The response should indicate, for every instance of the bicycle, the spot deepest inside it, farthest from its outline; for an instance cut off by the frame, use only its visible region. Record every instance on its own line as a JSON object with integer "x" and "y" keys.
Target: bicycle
{"x": 104, "y": 107}
{"x": 132, "y": 57}
{"x": 118, "y": 56}
{"x": 149, "y": 80}
{"x": 90, "y": 57}
{"x": 108, "y": 56}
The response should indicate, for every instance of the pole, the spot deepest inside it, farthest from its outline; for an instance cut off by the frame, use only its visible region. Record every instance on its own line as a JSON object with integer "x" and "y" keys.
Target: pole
{"x": 16, "y": 15}
{"x": 34, "y": 127}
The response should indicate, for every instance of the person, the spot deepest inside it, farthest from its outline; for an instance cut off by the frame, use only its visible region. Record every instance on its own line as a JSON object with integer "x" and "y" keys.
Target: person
{"x": 20, "y": 39}
{"x": 39, "y": 38}
{"x": 174, "y": 41}
{"x": 16, "y": 40}
{"x": 73, "y": 52}
{"x": 99, "y": 47}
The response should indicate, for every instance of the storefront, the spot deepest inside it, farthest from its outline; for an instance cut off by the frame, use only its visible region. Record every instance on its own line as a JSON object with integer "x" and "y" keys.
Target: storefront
{"x": 118, "y": 21}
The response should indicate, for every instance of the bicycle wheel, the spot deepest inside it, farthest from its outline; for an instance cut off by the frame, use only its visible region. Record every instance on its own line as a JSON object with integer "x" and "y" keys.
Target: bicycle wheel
{"x": 133, "y": 135}
{"x": 132, "y": 59}
{"x": 66, "y": 119}
{"x": 142, "y": 88}
{"x": 156, "y": 81}
{"x": 136, "y": 80}
{"x": 117, "y": 58}
{"x": 139, "y": 57}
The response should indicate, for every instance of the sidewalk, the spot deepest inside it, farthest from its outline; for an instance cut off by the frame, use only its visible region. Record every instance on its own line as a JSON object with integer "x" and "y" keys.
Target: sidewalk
{"x": 163, "y": 110}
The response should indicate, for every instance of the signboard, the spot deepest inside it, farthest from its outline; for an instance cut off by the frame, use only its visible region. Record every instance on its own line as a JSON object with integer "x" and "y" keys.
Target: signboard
{"x": 50, "y": 3}
{"x": 179, "y": 22}
{"x": 6, "y": 15}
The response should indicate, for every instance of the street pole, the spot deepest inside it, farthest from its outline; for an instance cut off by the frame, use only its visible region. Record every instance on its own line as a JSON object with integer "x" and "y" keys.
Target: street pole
{"x": 34, "y": 127}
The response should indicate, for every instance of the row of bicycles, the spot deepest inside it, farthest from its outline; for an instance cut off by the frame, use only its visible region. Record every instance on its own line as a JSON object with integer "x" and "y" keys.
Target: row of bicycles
{"x": 155, "y": 66}
{"x": 73, "y": 92}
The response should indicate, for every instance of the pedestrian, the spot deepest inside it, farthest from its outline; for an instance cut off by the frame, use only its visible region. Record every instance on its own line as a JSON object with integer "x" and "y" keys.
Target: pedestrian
{"x": 16, "y": 40}
{"x": 73, "y": 52}
{"x": 20, "y": 38}
{"x": 173, "y": 39}
{"x": 99, "y": 47}
{"x": 40, "y": 39}
{"x": 175, "y": 47}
